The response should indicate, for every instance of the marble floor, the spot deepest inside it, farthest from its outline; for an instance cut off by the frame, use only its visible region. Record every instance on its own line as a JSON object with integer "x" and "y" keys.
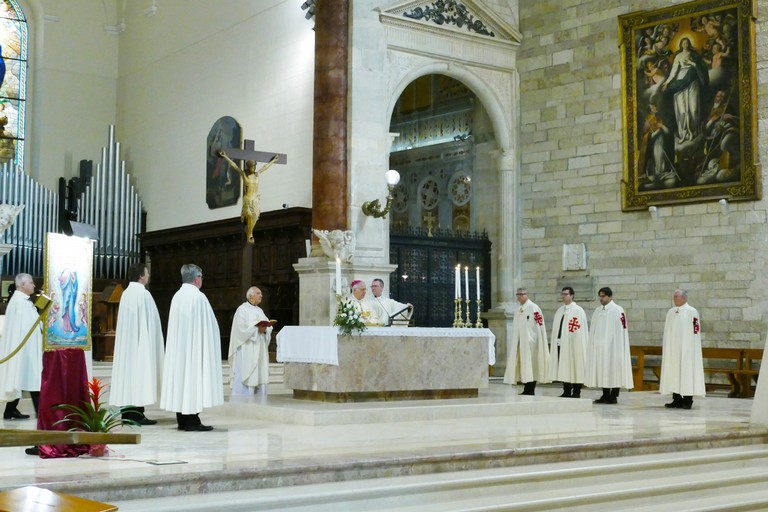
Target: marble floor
{"x": 277, "y": 441}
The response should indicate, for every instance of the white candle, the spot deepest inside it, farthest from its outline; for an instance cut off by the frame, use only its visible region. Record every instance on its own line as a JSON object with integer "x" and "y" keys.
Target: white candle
{"x": 477, "y": 281}
{"x": 456, "y": 285}
{"x": 338, "y": 276}
{"x": 466, "y": 283}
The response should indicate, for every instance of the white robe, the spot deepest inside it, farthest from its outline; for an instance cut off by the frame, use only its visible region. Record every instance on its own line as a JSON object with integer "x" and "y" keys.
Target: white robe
{"x": 24, "y": 370}
{"x": 137, "y": 370}
{"x": 760, "y": 402}
{"x": 682, "y": 366}
{"x": 192, "y": 377}
{"x": 388, "y": 307}
{"x": 570, "y": 364}
{"x": 609, "y": 364}
{"x": 368, "y": 312}
{"x": 527, "y": 347}
{"x": 248, "y": 348}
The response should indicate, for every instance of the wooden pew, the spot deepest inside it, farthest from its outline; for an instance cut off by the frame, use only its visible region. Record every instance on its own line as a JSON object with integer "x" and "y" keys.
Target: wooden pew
{"x": 737, "y": 364}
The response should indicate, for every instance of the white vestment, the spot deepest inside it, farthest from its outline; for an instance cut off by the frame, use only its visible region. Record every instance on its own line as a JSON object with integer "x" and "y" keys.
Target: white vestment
{"x": 682, "y": 366}
{"x": 24, "y": 370}
{"x": 137, "y": 370}
{"x": 527, "y": 347}
{"x": 248, "y": 348}
{"x": 760, "y": 402}
{"x": 570, "y": 364}
{"x": 388, "y": 307}
{"x": 192, "y": 377}
{"x": 609, "y": 364}
{"x": 368, "y": 312}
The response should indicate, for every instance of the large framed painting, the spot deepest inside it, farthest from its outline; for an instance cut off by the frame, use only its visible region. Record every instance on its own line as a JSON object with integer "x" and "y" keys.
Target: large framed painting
{"x": 68, "y": 271}
{"x": 222, "y": 184}
{"x": 689, "y": 104}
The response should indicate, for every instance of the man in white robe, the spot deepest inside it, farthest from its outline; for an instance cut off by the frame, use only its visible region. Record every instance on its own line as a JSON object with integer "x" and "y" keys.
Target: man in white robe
{"x": 24, "y": 370}
{"x": 389, "y": 309}
{"x": 137, "y": 370}
{"x": 370, "y": 314}
{"x": 192, "y": 377}
{"x": 682, "y": 365}
{"x": 248, "y": 346}
{"x": 568, "y": 353}
{"x": 527, "y": 348}
{"x": 609, "y": 364}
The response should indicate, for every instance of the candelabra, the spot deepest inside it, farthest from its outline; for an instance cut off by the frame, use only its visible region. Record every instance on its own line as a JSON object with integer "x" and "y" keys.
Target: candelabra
{"x": 457, "y": 321}
{"x": 468, "y": 322}
{"x": 479, "y": 324}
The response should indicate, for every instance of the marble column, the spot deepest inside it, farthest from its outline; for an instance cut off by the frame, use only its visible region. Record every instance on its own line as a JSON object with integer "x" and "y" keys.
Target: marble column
{"x": 329, "y": 176}
{"x": 509, "y": 271}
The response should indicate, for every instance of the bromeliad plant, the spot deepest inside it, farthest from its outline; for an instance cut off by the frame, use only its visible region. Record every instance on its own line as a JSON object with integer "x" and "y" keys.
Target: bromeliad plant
{"x": 94, "y": 416}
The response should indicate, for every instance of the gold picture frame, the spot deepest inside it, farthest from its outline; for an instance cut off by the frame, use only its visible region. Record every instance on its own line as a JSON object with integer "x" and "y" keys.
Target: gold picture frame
{"x": 689, "y": 104}
{"x": 68, "y": 282}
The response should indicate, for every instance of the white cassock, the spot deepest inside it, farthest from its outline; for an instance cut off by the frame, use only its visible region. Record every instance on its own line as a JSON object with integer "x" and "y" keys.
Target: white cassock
{"x": 388, "y": 307}
{"x": 527, "y": 348}
{"x": 248, "y": 356}
{"x": 570, "y": 364}
{"x": 192, "y": 377}
{"x": 137, "y": 370}
{"x": 682, "y": 366}
{"x": 368, "y": 312}
{"x": 609, "y": 364}
{"x": 760, "y": 402}
{"x": 24, "y": 370}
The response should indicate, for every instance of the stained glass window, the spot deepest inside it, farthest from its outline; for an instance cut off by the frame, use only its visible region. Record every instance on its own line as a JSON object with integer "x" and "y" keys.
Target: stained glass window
{"x": 13, "y": 77}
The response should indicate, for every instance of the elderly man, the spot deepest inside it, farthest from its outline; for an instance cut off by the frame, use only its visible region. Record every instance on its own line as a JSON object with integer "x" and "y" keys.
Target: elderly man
{"x": 609, "y": 364}
{"x": 369, "y": 313}
{"x": 527, "y": 350}
{"x": 137, "y": 370}
{"x": 248, "y": 344}
{"x": 682, "y": 366}
{"x": 389, "y": 309}
{"x": 568, "y": 353}
{"x": 24, "y": 370}
{"x": 192, "y": 377}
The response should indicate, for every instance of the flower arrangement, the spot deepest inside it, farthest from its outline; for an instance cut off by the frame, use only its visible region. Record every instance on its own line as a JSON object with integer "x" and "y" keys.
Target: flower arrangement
{"x": 94, "y": 416}
{"x": 348, "y": 318}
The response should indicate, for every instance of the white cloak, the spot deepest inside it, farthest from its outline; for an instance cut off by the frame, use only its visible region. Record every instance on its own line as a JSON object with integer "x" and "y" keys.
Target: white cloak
{"x": 760, "y": 402}
{"x": 682, "y": 366}
{"x": 249, "y": 346}
{"x": 192, "y": 377}
{"x": 368, "y": 313}
{"x": 388, "y": 307}
{"x": 570, "y": 364}
{"x": 609, "y": 364}
{"x": 527, "y": 347}
{"x": 137, "y": 370}
{"x": 24, "y": 370}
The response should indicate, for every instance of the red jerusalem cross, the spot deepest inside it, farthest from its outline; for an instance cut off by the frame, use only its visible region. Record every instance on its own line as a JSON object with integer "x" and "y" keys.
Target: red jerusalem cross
{"x": 573, "y": 325}
{"x": 538, "y": 318}
{"x": 695, "y": 325}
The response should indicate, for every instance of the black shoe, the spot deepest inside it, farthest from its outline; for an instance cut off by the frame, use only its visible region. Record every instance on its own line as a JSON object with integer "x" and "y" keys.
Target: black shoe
{"x": 611, "y": 400}
{"x": 686, "y": 405}
{"x": 32, "y": 451}
{"x": 146, "y": 421}
{"x": 198, "y": 428}
{"x": 674, "y": 404}
{"x": 603, "y": 400}
{"x": 16, "y": 415}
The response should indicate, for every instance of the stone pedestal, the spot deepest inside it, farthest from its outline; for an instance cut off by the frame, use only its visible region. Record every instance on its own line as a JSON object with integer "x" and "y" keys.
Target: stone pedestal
{"x": 5, "y": 249}
{"x": 500, "y": 323}
{"x": 317, "y": 286}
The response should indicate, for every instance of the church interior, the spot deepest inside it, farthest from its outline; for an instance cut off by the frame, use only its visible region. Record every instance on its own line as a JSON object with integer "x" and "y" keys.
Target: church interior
{"x": 535, "y": 145}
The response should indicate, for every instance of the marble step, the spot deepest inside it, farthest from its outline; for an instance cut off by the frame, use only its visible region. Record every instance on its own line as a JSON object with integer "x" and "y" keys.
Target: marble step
{"x": 691, "y": 480}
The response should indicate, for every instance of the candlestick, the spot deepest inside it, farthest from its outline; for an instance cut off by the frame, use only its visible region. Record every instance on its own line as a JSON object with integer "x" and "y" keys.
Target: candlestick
{"x": 466, "y": 283}
{"x": 338, "y": 276}
{"x": 477, "y": 281}
{"x": 457, "y": 288}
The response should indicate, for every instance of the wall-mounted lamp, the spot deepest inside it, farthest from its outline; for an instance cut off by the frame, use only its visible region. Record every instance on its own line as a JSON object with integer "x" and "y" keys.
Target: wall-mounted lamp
{"x": 654, "y": 212}
{"x": 373, "y": 208}
{"x": 724, "y": 206}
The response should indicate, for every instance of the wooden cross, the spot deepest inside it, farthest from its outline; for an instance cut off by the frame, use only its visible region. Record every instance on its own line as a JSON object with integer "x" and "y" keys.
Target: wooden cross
{"x": 429, "y": 219}
{"x": 248, "y": 153}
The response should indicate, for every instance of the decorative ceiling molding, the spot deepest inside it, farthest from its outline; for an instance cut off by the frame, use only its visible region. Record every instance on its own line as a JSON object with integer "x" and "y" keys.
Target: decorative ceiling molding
{"x": 468, "y": 17}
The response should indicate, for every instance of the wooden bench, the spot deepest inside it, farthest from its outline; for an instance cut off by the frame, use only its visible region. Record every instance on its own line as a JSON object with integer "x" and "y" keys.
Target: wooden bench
{"x": 737, "y": 364}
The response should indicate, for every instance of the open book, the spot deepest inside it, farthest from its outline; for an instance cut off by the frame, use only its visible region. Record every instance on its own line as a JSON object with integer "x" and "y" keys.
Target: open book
{"x": 266, "y": 323}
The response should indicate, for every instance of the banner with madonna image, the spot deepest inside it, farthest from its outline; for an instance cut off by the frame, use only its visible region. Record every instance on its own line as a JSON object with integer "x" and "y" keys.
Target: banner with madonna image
{"x": 689, "y": 104}
{"x": 68, "y": 271}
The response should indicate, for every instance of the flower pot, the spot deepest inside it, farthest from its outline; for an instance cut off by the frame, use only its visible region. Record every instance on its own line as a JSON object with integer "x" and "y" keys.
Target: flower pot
{"x": 98, "y": 450}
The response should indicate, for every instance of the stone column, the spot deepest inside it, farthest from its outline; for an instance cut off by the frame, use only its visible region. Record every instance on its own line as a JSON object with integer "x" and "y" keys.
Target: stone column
{"x": 329, "y": 149}
{"x": 510, "y": 253}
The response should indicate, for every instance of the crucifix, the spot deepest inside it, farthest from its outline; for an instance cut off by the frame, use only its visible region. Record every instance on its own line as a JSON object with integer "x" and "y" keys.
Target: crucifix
{"x": 429, "y": 220}
{"x": 251, "y": 209}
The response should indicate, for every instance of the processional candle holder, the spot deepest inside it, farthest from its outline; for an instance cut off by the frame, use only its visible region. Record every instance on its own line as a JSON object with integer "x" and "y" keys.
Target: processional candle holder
{"x": 468, "y": 322}
{"x": 457, "y": 321}
{"x": 479, "y": 324}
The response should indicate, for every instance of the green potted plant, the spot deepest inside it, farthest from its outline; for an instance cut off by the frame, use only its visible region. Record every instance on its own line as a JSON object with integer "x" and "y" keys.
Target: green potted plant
{"x": 94, "y": 416}
{"x": 348, "y": 319}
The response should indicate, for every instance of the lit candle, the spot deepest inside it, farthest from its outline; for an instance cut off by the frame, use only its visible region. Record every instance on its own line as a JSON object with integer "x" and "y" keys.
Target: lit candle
{"x": 477, "y": 281}
{"x": 338, "y": 276}
{"x": 456, "y": 285}
{"x": 466, "y": 283}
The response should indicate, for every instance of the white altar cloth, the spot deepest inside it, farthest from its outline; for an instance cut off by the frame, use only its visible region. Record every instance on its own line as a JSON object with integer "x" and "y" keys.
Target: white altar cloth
{"x": 314, "y": 344}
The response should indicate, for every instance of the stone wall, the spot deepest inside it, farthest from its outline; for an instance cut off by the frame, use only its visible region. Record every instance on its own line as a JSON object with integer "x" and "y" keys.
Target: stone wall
{"x": 571, "y": 146}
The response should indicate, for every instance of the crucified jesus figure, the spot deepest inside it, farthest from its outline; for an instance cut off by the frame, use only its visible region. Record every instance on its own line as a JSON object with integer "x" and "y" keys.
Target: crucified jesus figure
{"x": 251, "y": 212}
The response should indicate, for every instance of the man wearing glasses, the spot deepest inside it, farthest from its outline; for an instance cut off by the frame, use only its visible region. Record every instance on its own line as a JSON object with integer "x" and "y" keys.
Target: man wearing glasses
{"x": 527, "y": 349}
{"x": 568, "y": 352}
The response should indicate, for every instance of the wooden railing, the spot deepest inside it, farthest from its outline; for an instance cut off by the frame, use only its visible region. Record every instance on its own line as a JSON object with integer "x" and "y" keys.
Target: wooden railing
{"x": 737, "y": 364}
